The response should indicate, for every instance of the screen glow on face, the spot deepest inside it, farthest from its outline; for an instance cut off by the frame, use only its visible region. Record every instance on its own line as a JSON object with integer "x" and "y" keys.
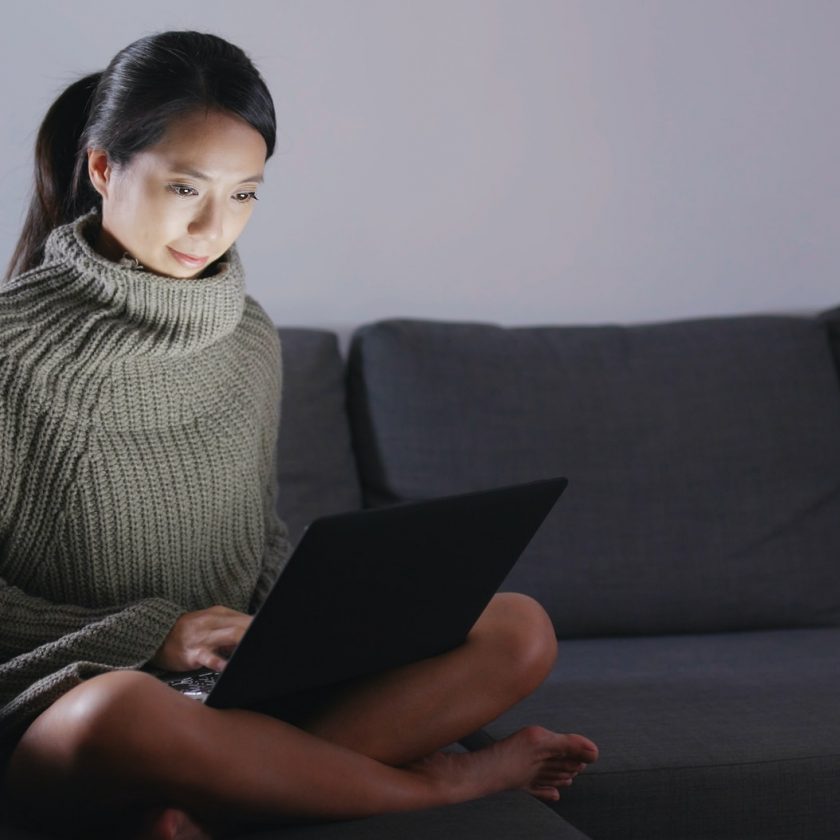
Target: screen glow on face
{"x": 179, "y": 205}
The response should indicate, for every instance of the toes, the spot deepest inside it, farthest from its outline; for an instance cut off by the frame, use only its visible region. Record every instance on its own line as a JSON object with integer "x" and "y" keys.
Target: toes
{"x": 546, "y": 772}
{"x": 546, "y": 793}
{"x": 555, "y": 774}
{"x": 549, "y": 792}
{"x": 565, "y": 764}
{"x": 170, "y": 824}
{"x": 553, "y": 780}
{"x": 558, "y": 745}
{"x": 583, "y": 748}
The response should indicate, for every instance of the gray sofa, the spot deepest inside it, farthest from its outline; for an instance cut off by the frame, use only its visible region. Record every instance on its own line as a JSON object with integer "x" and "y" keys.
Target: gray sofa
{"x": 692, "y": 568}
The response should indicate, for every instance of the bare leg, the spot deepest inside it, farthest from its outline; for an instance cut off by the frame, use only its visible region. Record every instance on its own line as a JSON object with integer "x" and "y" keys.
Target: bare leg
{"x": 412, "y": 711}
{"x": 403, "y": 716}
{"x": 123, "y": 743}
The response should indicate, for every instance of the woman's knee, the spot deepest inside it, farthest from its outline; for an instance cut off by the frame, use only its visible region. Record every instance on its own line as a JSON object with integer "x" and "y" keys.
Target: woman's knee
{"x": 523, "y": 635}
{"x": 95, "y": 715}
{"x": 77, "y": 735}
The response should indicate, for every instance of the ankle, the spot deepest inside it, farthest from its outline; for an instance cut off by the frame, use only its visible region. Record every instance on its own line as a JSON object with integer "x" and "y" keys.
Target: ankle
{"x": 447, "y": 779}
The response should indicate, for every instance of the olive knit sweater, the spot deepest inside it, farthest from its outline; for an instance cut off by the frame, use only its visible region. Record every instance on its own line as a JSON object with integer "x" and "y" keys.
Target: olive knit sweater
{"x": 138, "y": 418}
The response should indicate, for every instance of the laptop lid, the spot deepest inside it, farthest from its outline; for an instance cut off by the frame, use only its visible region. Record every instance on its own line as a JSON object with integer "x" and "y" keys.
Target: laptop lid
{"x": 376, "y": 588}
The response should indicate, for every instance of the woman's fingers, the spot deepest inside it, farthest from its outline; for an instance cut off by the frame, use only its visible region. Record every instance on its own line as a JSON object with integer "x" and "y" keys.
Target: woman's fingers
{"x": 210, "y": 659}
{"x": 203, "y": 638}
{"x": 218, "y": 646}
{"x": 219, "y": 643}
{"x": 223, "y": 637}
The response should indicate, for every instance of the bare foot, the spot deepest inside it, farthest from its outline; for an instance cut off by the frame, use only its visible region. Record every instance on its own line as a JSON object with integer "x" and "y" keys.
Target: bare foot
{"x": 172, "y": 824}
{"x": 533, "y": 759}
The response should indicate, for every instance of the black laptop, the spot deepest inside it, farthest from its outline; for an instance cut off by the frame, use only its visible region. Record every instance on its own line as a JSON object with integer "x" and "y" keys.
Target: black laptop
{"x": 373, "y": 589}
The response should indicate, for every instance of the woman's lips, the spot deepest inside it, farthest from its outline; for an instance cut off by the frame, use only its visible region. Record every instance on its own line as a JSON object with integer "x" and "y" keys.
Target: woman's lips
{"x": 187, "y": 260}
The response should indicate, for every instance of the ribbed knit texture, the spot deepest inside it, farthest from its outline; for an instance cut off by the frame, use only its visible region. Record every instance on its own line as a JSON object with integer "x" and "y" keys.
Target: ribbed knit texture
{"x": 138, "y": 418}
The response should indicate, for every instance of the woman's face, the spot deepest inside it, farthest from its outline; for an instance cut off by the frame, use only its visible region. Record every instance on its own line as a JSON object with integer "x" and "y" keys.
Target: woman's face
{"x": 189, "y": 195}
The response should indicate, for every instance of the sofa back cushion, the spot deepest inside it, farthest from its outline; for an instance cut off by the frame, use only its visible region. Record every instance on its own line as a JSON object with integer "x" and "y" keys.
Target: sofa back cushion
{"x": 316, "y": 469}
{"x": 703, "y": 458}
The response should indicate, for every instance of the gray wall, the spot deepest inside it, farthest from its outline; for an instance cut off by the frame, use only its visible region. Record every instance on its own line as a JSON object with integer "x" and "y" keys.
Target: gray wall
{"x": 518, "y": 161}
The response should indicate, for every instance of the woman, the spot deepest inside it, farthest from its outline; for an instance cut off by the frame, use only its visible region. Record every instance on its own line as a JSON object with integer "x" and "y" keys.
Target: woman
{"x": 138, "y": 418}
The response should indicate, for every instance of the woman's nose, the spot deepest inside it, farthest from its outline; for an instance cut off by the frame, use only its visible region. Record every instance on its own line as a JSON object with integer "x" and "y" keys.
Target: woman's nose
{"x": 208, "y": 222}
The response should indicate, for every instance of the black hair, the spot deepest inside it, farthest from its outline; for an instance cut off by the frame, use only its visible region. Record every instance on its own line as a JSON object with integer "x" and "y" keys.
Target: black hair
{"x": 126, "y": 108}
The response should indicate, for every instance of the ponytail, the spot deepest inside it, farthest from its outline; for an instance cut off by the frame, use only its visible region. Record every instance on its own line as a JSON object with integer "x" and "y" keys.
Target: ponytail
{"x": 60, "y": 194}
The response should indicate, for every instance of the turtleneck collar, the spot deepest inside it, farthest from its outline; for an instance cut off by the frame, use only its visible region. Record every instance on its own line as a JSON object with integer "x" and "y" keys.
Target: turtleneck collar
{"x": 182, "y": 313}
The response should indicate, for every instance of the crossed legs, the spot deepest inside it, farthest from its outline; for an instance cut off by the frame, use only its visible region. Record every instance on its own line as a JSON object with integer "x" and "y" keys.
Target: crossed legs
{"x": 123, "y": 745}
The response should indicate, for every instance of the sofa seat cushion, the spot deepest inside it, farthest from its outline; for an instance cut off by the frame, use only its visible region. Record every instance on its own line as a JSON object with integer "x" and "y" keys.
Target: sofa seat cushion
{"x": 703, "y": 458}
{"x": 731, "y": 735}
{"x": 505, "y": 816}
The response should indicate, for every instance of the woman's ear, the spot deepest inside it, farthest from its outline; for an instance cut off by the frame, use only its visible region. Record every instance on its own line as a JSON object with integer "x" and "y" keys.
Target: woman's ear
{"x": 99, "y": 170}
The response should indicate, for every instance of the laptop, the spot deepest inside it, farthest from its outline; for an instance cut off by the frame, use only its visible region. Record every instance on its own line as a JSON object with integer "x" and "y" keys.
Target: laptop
{"x": 373, "y": 589}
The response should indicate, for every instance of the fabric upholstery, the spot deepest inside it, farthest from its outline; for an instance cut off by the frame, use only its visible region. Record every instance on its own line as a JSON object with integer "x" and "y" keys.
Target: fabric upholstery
{"x": 734, "y": 736}
{"x": 506, "y": 816}
{"x": 315, "y": 463}
{"x": 703, "y": 458}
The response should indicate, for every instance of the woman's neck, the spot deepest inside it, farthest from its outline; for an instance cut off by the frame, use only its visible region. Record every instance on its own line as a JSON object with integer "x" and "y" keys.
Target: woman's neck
{"x": 106, "y": 244}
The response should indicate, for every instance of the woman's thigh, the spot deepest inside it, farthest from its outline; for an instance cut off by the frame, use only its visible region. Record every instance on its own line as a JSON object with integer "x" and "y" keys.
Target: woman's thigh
{"x": 92, "y": 752}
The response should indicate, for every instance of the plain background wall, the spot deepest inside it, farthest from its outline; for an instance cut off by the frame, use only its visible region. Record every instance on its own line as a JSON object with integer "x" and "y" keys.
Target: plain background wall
{"x": 516, "y": 161}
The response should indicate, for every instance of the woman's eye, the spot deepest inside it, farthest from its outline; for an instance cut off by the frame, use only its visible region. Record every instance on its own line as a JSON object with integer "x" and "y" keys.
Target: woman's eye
{"x": 185, "y": 191}
{"x": 177, "y": 189}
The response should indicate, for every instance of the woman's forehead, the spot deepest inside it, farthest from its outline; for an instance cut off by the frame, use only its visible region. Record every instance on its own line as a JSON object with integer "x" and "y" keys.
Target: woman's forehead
{"x": 211, "y": 146}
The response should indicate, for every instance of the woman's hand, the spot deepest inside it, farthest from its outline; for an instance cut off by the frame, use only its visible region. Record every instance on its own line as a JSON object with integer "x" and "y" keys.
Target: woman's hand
{"x": 204, "y": 638}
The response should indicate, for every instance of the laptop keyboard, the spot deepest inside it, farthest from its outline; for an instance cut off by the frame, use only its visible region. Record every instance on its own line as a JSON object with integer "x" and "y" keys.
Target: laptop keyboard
{"x": 196, "y": 684}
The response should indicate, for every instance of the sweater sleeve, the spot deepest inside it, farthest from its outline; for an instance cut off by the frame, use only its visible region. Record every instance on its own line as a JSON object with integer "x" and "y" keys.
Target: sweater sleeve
{"x": 46, "y": 649}
{"x": 278, "y": 548}
{"x": 28, "y": 622}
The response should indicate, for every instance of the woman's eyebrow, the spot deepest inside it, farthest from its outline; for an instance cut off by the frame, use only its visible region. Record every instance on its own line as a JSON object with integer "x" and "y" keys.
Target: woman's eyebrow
{"x": 194, "y": 173}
